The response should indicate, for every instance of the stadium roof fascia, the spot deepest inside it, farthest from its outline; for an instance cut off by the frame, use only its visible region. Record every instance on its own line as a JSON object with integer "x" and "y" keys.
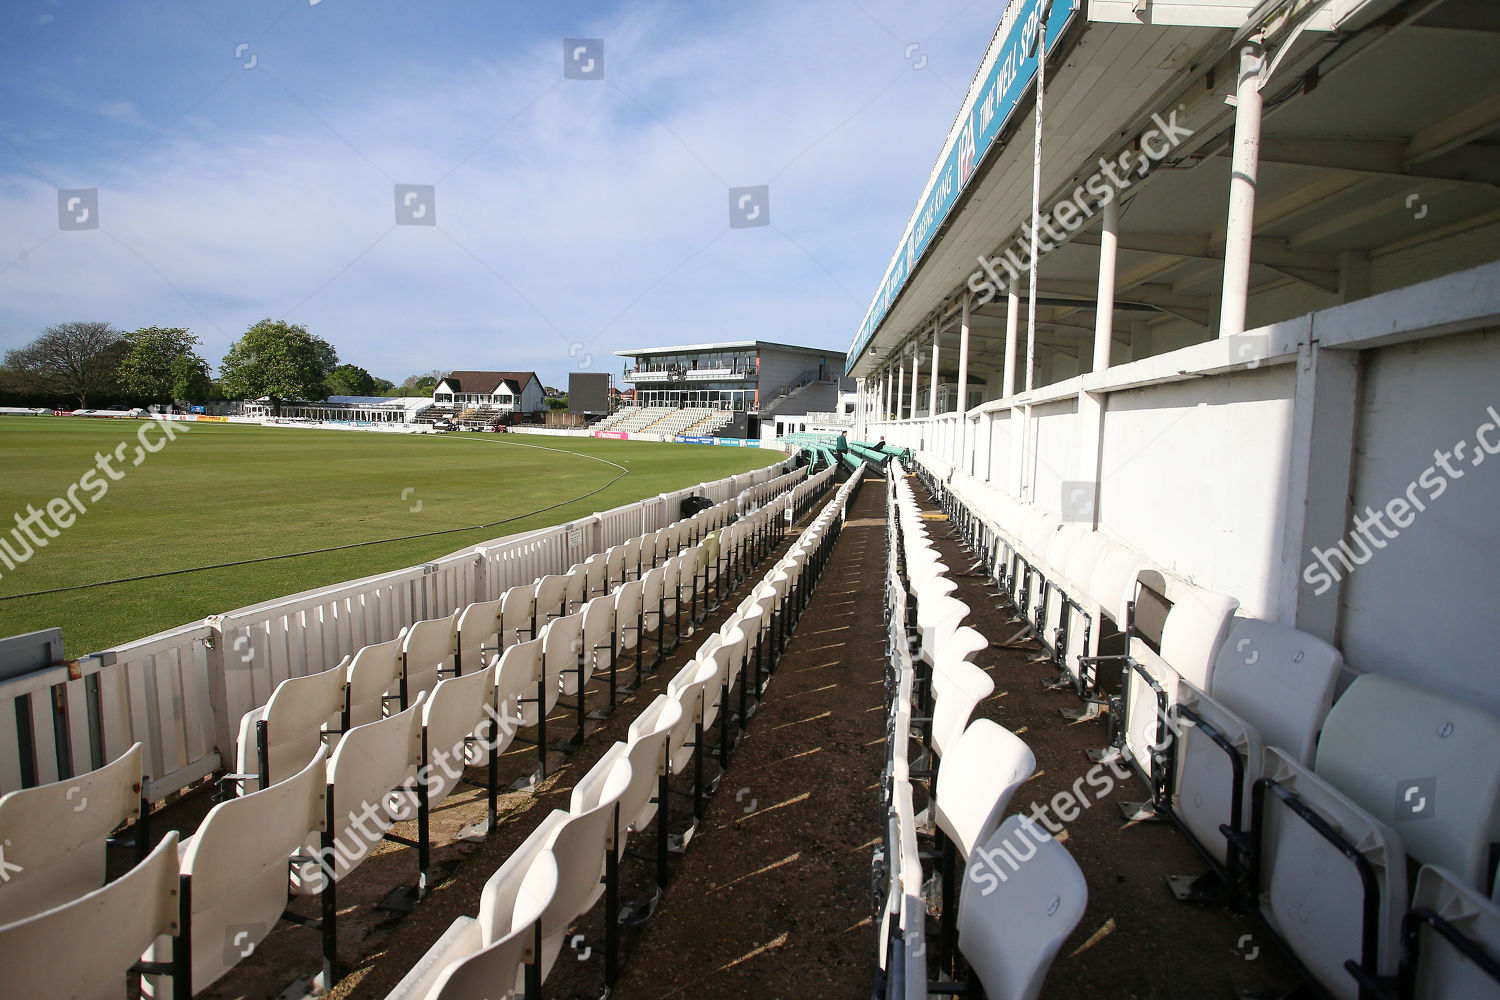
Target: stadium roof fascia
{"x": 730, "y": 345}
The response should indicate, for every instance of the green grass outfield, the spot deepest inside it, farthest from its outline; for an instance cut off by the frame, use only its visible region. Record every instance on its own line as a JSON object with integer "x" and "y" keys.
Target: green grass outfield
{"x": 226, "y": 492}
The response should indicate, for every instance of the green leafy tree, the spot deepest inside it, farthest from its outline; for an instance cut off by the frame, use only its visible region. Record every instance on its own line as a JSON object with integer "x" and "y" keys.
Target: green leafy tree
{"x": 279, "y": 360}
{"x": 383, "y": 387}
{"x": 350, "y": 380}
{"x": 162, "y": 365}
{"x": 75, "y": 360}
{"x": 421, "y": 385}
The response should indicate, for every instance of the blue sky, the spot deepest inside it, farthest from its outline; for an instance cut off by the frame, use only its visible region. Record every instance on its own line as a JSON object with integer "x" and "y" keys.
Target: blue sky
{"x": 573, "y": 217}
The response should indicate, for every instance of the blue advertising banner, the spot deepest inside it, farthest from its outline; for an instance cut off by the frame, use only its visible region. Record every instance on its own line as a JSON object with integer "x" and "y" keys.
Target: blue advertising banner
{"x": 1009, "y": 77}
{"x": 694, "y": 440}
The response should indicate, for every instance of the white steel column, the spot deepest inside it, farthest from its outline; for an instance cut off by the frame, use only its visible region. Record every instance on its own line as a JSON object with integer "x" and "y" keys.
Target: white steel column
{"x": 932, "y": 400}
{"x": 1012, "y": 318}
{"x": 1242, "y": 178}
{"x": 961, "y": 438}
{"x": 900, "y": 388}
{"x": 1104, "y": 324}
{"x": 916, "y": 370}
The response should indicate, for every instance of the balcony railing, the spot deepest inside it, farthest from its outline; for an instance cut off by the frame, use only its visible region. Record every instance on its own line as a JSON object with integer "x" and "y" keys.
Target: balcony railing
{"x": 673, "y": 374}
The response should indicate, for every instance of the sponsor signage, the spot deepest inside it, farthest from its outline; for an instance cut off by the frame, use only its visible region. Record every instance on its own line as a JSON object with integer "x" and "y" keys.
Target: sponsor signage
{"x": 999, "y": 93}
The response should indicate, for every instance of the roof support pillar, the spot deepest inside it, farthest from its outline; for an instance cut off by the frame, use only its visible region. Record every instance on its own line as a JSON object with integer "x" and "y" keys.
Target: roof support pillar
{"x": 900, "y": 387}
{"x": 1104, "y": 325}
{"x": 1242, "y": 179}
{"x": 916, "y": 368}
{"x": 932, "y": 389}
{"x": 962, "y": 407}
{"x": 1012, "y": 318}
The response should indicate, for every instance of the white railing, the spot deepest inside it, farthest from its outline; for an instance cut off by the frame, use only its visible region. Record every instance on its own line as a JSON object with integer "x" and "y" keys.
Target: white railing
{"x": 182, "y": 692}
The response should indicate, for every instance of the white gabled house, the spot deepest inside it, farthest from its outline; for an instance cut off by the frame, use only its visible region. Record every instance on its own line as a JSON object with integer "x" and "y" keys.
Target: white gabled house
{"x": 517, "y": 392}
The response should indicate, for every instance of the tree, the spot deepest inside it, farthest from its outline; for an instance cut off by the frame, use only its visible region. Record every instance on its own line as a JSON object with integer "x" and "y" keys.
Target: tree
{"x": 72, "y": 359}
{"x": 350, "y": 380}
{"x": 383, "y": 387}
{"x": 279, "y": 360}
{"x": 422, "y": 385}
{"x": 161, "y": 365}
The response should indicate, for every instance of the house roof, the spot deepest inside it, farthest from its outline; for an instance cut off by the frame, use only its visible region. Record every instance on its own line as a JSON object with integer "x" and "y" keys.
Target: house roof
{"x": 488, "y": 382}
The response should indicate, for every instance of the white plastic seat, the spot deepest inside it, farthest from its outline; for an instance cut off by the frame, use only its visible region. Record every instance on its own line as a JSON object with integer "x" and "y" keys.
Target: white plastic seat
{"x": 957, "y": 690}
{"x": 551, "y": 600}
{"x": 1022, "y": 896}
{"x": 979, "y": 774}
{"x": 562, "y": 651}
{"x": 370, "y": 762}
{"x": 628, "y": 615}
{"x": 575, "y": 593}
{"x": 1441, "y": 970}
{"x": 296, "y": 716}
{"x": 479, "y": 628}
{"x": 1385, "y": 743}
{"x": 54, "y": 835}
{"x": 1273, "y": 686}
{"x": 517, "y": 614}
{"x": 614, "y": 565}
{"x": 452, "y": 714}
{"x": 1194, "y": 632}
{"x": 521, "y": 671}
{"x": 373, "y": 674}
{"x": 596, "y": 576}
{"x": 237, "y": 863}
{"x": 482, "y": 958}
{"x": 429, "y": 650}
{"x": 609, "y": 779}
{"x": 691, "y": 688}
{"x": 85, "y": 947}
{"x": 647, "y": 744}
{"x": 598, "y": 630}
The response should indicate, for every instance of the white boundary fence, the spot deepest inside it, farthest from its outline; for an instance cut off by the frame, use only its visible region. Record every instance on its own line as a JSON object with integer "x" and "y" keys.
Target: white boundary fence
{"x": 182, "y": 692}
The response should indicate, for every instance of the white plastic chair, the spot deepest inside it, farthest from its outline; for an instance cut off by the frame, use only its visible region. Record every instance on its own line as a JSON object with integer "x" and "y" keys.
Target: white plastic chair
{"x": 373, "y": 674}
{"x": 1022, "y": 896}
{"x": 85, "y": 947}
{"x": 296, "y": 717}
{"x": 54, "y": 835}
{"x": 429, "y": 650}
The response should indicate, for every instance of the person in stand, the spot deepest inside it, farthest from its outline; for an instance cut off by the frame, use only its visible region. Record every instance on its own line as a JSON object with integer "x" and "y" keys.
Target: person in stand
{"x": 843, "y": 442}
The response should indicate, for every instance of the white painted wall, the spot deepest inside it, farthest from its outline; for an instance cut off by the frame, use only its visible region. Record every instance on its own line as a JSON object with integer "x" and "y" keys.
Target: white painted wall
{"x": 1194, "y": 476}
{"x": 1423, "y": 607}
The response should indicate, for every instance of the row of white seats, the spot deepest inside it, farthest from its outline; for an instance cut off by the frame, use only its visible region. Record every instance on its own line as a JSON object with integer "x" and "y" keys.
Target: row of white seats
{"x": 377, "y": 762}
{"x": 1232, "y": 722}
{"x": 1008, "y": 920}
{"x": 572, "y": 859}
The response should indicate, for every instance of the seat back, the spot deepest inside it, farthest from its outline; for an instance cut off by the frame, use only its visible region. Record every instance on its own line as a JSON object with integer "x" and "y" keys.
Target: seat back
{"x": 575, "y": 593}
{"x": 647, "y": 742}
{"x": 580, "y": 843}
{"x": 1113, "y": 585}
{"x": 453, "y": 713}
{"x": 731, "y": 655}
{"x": 520, "y": 671}
{"x": 598, "y": 626}
{"x": 1278, "y": 679}
{"x": 979, "y": 774}
{"x": 1022, "y": 896}
{"x": 614, "y": 565}
{"x": 1203, "y": 780}
{"x": 295, "y": 716}
{"x": 478, "y": 634}
{"x": 237, "y": 860}
{"x": 517, "y": 607}
{"x": 551, "y": 598}
{"x": 373, "y": 672}
{"x": 53, "y": 835}
{"x": 562, "y": 645}
{"x": 1441, "y": 970}
{"x": 958, "y": 688}
{"x": 430, "y": 646}
{"x": 1191, "y": 637}
{"x": 1422, "y": 763}
{"x": 628, "y": 614}
{"x": 1084, "y": 559}
{"x": 651, "y": 594}
{"x": 688, "y": 688}
{"x": 369, "y": 762}
{"x": 595, "y": 571}
{"x": 83, "y": 948}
